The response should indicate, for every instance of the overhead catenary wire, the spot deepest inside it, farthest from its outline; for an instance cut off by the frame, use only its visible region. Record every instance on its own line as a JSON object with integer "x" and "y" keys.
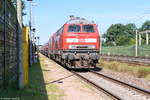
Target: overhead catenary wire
{"x": 140, "y": 18}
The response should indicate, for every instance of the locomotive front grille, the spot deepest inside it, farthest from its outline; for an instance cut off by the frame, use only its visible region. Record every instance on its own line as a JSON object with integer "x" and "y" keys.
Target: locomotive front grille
{"x": 81, "y": 47}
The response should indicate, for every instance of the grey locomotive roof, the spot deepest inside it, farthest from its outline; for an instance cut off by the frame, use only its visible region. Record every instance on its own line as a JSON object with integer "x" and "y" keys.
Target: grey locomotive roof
{"x": 78, "y": 20}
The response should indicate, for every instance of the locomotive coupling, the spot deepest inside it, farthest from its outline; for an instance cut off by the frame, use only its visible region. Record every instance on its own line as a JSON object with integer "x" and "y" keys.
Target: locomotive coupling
{"x": 94, "y": 56}
{"x": 70, "y": 57}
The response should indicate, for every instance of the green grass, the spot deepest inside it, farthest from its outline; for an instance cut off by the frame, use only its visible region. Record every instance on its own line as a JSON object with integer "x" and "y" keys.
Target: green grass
{"x": 135, "y": 70}
{"x": 144, "y": 50}
{"x": 37, "y": 90}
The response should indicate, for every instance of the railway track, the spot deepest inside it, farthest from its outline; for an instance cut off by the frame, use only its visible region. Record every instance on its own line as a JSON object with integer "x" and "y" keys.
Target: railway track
{"x": 144, "y": 91}
{"x": 120, "y": 91}
{"x": 128, "y": 59}
{"x": 110, "y": 94}
{"x": 115, "y": 89}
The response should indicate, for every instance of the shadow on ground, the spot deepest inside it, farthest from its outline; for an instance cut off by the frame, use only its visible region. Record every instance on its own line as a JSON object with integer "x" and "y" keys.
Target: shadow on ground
{"x": 60, "y": 80}
{"x": 97, "y": 69}
{"x": 35, "y": 91}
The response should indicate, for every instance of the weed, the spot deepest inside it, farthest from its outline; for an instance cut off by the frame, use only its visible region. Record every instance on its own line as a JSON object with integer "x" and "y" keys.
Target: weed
{"x": 137, "y": 71}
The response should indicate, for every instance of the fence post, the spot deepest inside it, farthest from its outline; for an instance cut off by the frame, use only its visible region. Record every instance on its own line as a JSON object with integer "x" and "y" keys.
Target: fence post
{"x": 100, "y": 45}
{"x": 140, "y": 39}
{"x": 147, "y": 38}
{"x": 136, "y": 45}
{"x": 4, "y": 77}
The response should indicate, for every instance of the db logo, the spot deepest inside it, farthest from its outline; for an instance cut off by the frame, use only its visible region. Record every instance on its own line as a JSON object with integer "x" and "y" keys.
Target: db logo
{"x": 81, "y": 40}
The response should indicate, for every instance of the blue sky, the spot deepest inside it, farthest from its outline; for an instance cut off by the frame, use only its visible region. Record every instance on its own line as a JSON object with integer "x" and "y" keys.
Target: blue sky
{"x": 50, "y": 15}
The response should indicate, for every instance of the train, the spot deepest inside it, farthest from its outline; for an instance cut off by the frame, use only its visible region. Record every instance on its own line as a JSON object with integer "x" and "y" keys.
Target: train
{"x": 76, "y": 44}
{"x": 44, "y": 49}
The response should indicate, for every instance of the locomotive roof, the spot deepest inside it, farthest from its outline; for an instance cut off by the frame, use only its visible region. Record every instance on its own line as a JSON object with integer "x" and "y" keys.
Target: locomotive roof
{"x": 78, "y": 20}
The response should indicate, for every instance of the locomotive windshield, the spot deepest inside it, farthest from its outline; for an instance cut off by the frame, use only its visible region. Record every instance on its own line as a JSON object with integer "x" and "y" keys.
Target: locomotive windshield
{"x": 88, "y": 28}
{"x": 74, "y": 28}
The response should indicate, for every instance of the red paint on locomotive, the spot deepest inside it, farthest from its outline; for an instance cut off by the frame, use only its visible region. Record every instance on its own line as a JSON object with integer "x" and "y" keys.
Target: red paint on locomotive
{"x": 77, "y": 40}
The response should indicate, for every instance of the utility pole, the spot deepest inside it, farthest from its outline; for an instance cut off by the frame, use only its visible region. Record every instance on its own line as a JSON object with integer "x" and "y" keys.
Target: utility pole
{"x": 147, "y": 38}
{"x": 30, "y": 33}
{"x": 38, "y": 43}
{"x": 20, "y": 52}
{"x": 33, "y": 31}
{"x": 136, "y": 45}
{"x": 140, "y": 39}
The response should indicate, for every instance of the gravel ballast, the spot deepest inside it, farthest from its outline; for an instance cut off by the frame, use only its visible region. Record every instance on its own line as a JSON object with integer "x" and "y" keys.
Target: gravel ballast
{"x": 121, "y": 91}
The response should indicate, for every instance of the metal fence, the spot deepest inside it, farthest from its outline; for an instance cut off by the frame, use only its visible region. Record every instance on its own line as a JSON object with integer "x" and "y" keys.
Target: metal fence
{"x": 8, "y": 43}
{"x": 143, "y": 50}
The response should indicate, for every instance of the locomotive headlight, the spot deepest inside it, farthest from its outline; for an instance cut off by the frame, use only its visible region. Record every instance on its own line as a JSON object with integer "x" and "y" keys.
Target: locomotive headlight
{"x": 72, "y": 47}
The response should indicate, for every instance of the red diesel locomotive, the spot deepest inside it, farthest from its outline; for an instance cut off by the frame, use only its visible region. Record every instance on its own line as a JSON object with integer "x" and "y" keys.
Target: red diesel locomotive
{"x": 76, "y": 44}
{"x": 44, "y": 49}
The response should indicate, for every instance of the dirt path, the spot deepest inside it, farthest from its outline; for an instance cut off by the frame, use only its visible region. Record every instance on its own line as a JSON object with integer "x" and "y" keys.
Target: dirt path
{"x": 71, "y": 87}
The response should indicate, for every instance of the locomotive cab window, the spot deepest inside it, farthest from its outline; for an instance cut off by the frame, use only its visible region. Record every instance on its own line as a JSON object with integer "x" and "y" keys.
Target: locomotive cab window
{"x": 74, "y": 28}
{"x": 88, "y": 28}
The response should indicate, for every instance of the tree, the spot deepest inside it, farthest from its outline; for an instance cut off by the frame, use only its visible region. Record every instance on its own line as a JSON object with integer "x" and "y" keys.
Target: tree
{"x": 23, "y": 6}
{"x": 145, "y": 26}
{"x": 119, "y": 34}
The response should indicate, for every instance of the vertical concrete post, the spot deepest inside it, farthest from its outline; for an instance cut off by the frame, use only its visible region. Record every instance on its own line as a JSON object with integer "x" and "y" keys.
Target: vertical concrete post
{"x": 136, "y": 45}
{"x": 100, "y": 45}
{"x": 20, "y": 53}
{"x": 140, "y": 40}
{"x": 147, "y": 38}
{"x": 26, "y": 54}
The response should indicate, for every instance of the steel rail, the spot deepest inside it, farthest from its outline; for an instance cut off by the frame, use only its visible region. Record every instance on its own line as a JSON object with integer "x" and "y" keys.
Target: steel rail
{"x": 128, "y": 59}
{"x": 140, "y": 57}
{"x": 147, "y": 92}
{"x": 110, "y": 94}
